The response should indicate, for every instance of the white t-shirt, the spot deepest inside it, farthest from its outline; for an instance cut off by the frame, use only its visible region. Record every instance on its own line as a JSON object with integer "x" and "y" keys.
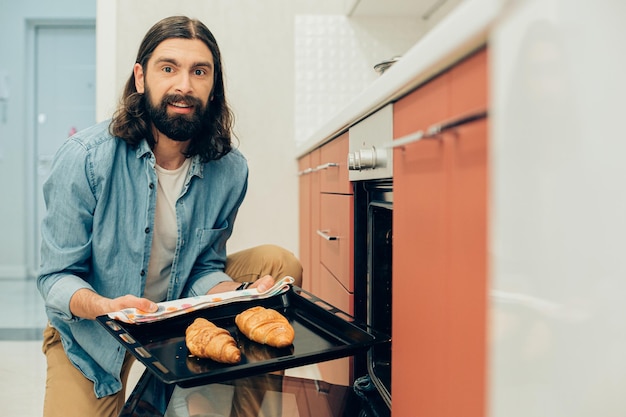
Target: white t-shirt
{"x": 170, "y": 185}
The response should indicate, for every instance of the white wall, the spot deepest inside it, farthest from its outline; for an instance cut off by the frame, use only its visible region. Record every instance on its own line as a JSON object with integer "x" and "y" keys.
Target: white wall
{"x": 283, "y": 81}
{"x": 17, "y": 20}
{"x": 256, "y": 41}
{"x": 335, "y": 59}
{"x": 558, "y": 218}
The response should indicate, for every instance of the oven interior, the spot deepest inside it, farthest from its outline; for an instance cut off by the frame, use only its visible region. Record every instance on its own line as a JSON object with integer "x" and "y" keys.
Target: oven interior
{"x": 373, "y": 276}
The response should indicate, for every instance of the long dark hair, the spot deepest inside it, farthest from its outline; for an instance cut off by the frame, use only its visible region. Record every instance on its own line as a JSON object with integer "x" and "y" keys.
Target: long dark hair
{"x": 130, "y": 121}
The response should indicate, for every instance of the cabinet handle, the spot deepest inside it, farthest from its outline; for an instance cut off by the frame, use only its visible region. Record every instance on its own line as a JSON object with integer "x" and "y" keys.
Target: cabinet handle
{"x": 305, "y": 172}
{"x": 326, "y": 166}
{"x": 318, "y": 168}
{"x": 325, "y": 235}
{"x": 436, "y": 129}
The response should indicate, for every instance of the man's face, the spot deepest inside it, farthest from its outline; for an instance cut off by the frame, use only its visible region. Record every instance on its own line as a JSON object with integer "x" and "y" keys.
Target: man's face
{"x": 177, "y": 83}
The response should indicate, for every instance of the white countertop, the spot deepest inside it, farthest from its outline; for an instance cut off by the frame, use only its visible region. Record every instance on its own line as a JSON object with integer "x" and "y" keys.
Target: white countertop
{"x": 464, "y": 30}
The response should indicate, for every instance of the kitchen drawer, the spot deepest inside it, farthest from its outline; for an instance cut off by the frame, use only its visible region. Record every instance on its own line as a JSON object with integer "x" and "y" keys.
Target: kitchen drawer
{"x": 338, "y": 371}
{"x": 304, "y": 167}
{"x": 422, "y": 108}
{"x": 334, "y": 293}
{"x": 468, "y": 85}
{"x": 336, "y": 246}
{"x": 333, "y": 168}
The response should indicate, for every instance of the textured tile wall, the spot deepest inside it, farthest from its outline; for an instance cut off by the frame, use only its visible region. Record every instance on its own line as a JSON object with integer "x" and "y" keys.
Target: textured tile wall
{"x": 334, "y": 60}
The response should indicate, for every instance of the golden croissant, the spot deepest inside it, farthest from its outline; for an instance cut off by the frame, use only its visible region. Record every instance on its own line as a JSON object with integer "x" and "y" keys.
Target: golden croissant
{"x": 266, "y": 326}
{"x": 205, "y": 340}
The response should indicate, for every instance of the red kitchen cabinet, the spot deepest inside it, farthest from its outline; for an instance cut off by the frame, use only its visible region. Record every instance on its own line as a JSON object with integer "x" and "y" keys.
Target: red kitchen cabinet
{"x": 305, "y": 235}
{"x": 338, "y": 371}
{"x": 440, "y": 248}
{"x": 333, "y": 168}
{"x": 336, "y": 250}
{"x": 309, "y": 218}
{"x": 315, "y": 222}
{"x": 326, "y": 236}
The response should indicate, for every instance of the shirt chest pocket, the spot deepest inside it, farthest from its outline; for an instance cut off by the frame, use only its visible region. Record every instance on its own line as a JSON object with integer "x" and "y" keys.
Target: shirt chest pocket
{"x": 212, "y": 239}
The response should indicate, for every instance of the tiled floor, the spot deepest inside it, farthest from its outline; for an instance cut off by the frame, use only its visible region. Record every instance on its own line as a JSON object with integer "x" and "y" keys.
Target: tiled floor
{"x": 22, "y": 364}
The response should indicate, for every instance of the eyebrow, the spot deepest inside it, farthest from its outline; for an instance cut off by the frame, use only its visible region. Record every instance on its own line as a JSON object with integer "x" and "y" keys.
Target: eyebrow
{"x": 176, "y": 63}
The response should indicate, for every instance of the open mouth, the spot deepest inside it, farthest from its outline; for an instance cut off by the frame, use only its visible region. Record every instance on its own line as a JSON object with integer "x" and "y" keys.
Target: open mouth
{"x": 181, "y": 105}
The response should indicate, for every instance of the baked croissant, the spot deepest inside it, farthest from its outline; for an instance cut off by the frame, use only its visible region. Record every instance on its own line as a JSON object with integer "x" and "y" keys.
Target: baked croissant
{"x": 266, "y": 326}
{"x": 205, "y": 340}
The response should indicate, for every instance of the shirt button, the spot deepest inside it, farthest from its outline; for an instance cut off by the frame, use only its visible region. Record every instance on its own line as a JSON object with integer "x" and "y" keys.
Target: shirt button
{"x": 147, "y": 230}
{"x": 151, "y": 185}
{"x": 142, "y": 273}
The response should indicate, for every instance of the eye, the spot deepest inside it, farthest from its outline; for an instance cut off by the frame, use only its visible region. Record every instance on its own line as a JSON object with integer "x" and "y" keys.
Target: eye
{"x": 199, "y": 72}
{"x": 167, "y": 69}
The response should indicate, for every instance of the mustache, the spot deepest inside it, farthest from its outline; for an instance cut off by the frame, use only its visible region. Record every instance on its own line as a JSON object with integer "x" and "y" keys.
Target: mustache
{"x": 180, "y": 98}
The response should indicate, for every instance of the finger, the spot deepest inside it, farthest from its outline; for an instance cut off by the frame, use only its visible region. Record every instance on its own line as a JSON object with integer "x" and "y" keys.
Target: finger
{"x": 147, "y": 305}
{"x": 143, "y": 304}
{"x": 264, "y": 283}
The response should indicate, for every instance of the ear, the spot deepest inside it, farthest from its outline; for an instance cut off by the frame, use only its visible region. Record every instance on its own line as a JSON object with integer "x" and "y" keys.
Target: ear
{"x": 139, "y": 78}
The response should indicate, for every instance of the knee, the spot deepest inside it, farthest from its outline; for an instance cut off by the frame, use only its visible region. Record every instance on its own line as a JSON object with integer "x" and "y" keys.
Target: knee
{"x": 286, "y": 263}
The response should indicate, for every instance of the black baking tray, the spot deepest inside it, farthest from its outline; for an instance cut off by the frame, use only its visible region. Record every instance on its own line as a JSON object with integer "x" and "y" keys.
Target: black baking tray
{"x": 322, "y": 333}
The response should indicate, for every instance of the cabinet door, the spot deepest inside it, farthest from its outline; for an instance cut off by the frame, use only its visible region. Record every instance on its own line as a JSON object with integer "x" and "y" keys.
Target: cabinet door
{"x": 333, "y": 167}
{"x": 419, "y": 256}
{"x": 305, "y": 230}
{"x": 336, "y": 250}
{"x": 467, "y": 257}
{"x": 420, "y": 109}
{"x": 466, "y": 284}
{"x": 315, "y": 224}
{"x": 468, "y": 85}
{"x": 440, "y": 255}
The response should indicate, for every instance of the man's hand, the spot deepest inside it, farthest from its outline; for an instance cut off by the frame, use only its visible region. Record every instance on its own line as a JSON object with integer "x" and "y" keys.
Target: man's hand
{"x": 261, "y": 284}
{"x": 128, "y": 301}
{"x": 87, "y": 304}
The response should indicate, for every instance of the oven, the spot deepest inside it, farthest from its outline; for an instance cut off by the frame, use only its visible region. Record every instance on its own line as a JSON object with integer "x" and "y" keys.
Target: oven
{"x": 370, "y": 166}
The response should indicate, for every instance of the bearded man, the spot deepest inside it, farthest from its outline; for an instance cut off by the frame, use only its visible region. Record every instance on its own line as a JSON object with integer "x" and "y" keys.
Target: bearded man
{"x": 138, "y": 211}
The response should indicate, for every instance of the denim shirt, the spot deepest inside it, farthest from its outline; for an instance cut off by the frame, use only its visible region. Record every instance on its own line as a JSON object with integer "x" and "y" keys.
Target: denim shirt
{"x": 97, "y": 234}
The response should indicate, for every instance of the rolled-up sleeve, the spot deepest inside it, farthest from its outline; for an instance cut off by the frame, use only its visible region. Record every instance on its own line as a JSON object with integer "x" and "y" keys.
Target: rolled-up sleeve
{"x": 66, "y": 229}
{"x": 203, "y": 284}
{"x": 59, "y": 290}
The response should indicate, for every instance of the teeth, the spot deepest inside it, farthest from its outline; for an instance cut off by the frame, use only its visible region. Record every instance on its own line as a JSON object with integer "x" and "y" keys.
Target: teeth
{"x": 182, "y": 105}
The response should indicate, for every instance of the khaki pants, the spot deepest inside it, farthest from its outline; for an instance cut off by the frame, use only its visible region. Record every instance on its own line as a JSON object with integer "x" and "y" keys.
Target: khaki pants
{"x": 70, "y": 394}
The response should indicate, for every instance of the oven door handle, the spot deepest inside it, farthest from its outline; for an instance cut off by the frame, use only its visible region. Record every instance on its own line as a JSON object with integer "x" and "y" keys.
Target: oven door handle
{"x": 325, "y": 235}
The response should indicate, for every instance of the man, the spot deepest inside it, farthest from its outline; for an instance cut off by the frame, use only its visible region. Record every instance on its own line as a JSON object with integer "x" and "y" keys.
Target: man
{"x": 139, "y": 211}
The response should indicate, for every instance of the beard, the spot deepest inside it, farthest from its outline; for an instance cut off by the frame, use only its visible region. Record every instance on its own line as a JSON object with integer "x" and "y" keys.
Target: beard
{"x": 179, "y": 127}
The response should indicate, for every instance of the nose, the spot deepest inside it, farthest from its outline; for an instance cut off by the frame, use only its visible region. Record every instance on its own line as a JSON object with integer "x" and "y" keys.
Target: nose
{"x": 183, "y": 83}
